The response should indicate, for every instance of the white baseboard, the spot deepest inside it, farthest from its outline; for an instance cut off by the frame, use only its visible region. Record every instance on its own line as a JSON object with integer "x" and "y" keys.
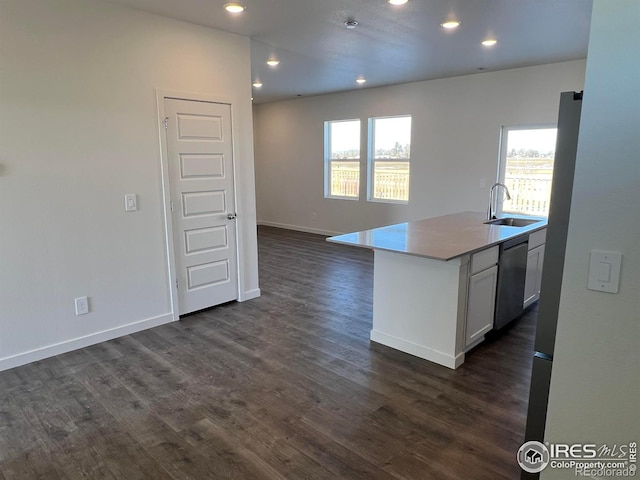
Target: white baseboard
{"x": 249, "y": 295}
{"x": 299, "y": 228}
{"x": 81, "y": 342}
{"x": 421, "y": 351}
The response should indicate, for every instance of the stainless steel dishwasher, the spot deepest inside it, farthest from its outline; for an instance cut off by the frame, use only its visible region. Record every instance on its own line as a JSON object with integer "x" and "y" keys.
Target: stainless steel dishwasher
{"x": 512, "y": 266}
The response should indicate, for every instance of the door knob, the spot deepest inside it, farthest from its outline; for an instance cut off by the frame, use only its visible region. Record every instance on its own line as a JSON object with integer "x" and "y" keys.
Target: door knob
{"x": 231, "y": 216}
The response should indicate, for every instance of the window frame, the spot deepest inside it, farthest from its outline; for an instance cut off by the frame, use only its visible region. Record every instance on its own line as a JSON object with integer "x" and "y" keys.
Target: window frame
{"x": 502, "y": 159}
{"x": 328, "y": 160}
{"x": 371, "y": 139}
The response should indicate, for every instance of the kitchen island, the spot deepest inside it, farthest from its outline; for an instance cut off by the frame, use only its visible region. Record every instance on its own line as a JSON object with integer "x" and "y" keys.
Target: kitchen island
{"x": 435, "y": 282}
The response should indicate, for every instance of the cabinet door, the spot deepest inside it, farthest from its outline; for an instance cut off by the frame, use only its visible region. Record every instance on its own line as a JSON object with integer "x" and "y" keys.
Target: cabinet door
{"x": 481, "y": 304}
{"x": 539, "y": 262}
{"x": 533, "y": 276}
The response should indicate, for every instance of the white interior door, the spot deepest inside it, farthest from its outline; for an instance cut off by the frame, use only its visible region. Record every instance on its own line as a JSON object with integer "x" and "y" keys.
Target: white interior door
{"x": 199, "y": 152}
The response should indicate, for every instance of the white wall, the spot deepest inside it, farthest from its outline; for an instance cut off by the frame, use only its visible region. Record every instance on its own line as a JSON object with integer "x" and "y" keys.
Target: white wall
{"x": 78, "y": 130}
{"x": 456, "y": 125}
{"x": 595, "y": 385}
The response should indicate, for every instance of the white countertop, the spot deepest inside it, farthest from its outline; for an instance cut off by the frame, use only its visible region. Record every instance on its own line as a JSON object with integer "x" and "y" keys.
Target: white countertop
{"x": 439, "y": 238}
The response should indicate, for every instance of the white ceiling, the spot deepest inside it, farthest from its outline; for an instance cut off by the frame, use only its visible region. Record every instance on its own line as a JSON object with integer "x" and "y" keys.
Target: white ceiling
{"x": 392, "y": 44}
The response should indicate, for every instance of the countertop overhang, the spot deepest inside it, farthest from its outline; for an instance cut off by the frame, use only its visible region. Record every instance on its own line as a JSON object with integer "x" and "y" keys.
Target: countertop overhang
{"x": 439, "y": 238}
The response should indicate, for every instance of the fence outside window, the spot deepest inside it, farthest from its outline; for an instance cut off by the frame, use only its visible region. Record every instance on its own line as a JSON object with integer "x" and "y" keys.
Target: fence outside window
{"x": 529, "y": 182}
{"x": 391, "y": 181}
{"x": 526, "y": 168}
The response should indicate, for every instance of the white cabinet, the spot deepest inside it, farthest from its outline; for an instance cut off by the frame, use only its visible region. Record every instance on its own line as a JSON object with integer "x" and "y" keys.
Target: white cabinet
{"x": 434, "y": 309}
{"x": 481, "y": 304}
{"x": 533, "y": 277}
{"x": 481, "y": 295}
{"x": 535, "y": 257}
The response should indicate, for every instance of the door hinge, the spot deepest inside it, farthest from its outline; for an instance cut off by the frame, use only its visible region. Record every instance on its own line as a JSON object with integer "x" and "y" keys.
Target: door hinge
{"x": 176, "y": 283}
{"x": 166, "y": 122}
{"x": 171, "y": 205}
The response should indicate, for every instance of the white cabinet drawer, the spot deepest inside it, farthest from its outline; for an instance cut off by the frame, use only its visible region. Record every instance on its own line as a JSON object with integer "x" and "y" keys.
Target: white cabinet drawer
{"x": 484, "y": 259}
{"x": 537, "y": 238}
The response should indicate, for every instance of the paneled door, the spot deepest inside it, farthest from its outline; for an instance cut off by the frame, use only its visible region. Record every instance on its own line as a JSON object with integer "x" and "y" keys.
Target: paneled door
{"x": 199, "y": 152}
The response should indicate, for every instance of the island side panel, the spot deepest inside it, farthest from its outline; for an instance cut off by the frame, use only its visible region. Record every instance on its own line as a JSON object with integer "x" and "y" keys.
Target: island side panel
{"x": 416, "y": 306}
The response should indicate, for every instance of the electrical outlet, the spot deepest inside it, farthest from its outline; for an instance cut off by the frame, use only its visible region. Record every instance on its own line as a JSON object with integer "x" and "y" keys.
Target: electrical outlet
{"x": 82, "y": 305}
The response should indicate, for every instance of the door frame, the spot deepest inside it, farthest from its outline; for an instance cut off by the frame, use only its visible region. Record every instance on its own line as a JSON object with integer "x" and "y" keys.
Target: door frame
{"x": 161, "y": 95}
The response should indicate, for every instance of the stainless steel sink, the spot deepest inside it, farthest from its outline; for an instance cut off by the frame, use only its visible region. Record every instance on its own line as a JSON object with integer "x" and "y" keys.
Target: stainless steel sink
{"x": 512, "y": 222}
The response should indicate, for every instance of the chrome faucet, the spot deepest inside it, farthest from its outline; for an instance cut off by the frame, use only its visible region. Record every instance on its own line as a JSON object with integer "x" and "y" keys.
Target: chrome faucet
{"x": 491, "y": 213}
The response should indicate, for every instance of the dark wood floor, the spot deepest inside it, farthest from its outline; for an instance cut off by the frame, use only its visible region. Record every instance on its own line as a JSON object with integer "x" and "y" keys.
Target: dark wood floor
{"x": 283, "y": 386}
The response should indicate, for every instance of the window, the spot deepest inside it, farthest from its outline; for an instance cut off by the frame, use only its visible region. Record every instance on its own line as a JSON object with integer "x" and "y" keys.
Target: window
{"x": 342, "y": 159}
{"x": 389, "y": 159}
{"x": 526, "y": 168}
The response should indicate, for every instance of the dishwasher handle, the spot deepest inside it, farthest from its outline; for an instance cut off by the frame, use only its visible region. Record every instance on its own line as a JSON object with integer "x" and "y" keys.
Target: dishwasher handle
{"x": 514, "y": 242}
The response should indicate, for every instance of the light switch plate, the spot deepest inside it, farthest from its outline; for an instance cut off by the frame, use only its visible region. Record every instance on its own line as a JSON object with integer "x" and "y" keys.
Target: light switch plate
{"x": 130, "y": 202}
{"x": 604, "y": 271}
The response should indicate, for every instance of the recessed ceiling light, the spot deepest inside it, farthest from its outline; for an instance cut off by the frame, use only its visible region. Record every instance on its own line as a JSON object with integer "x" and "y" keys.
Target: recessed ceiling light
{"x": 397, "y": 2}
{"x": 351, "y": 23}
{"x": 490, "y": 42}
{"x": 234, "y": 7}
{"x": 450, "y": 24}
{"x": 273, "y": 62}
{"x": 257, "y": 84}
{"x": 361, "y": 80}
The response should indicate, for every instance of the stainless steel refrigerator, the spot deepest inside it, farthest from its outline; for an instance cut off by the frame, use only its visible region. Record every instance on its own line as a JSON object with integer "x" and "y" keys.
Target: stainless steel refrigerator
{"x": 553, "y": 265}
